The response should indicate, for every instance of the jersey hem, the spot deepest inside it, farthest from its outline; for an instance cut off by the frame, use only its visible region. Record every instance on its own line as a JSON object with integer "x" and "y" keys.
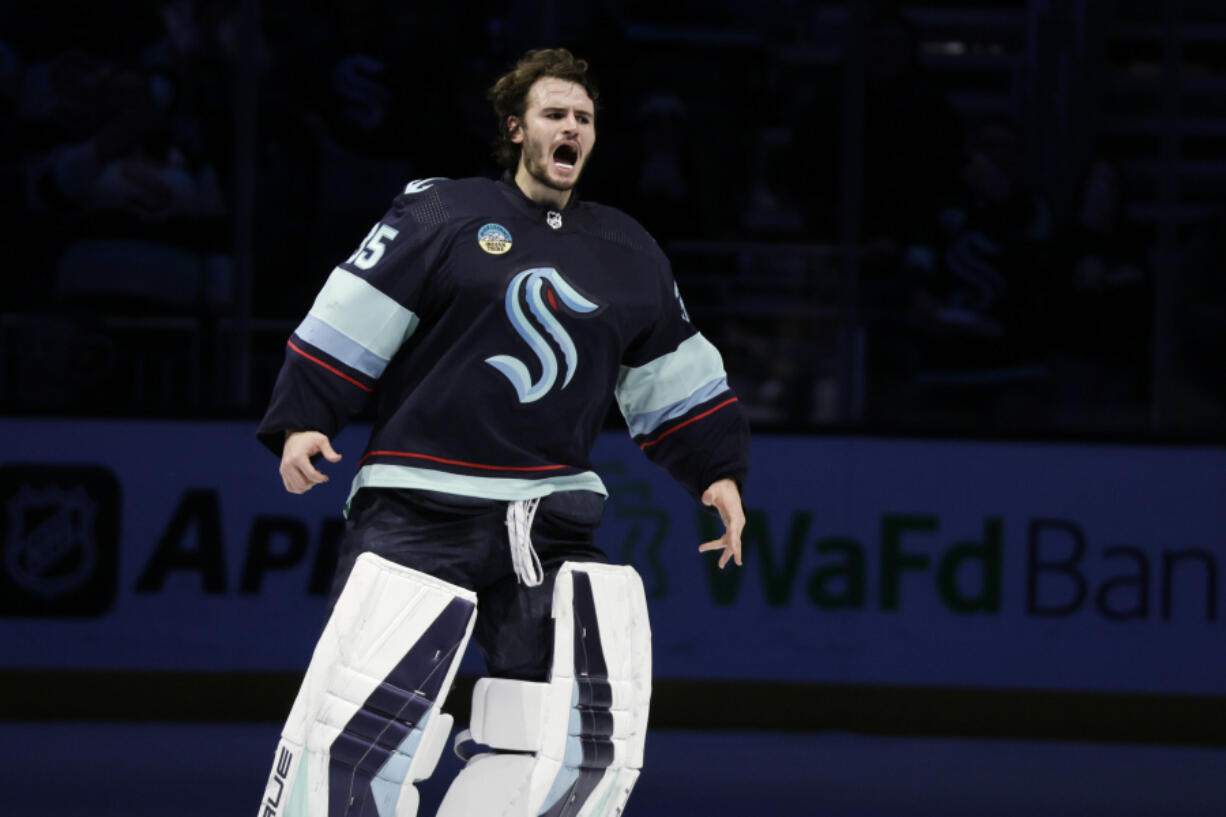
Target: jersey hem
{"x": 382, "y": 475}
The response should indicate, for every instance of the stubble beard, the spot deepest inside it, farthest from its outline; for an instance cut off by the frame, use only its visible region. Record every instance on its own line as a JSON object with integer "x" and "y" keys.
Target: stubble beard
{"x": 539, "y": 168}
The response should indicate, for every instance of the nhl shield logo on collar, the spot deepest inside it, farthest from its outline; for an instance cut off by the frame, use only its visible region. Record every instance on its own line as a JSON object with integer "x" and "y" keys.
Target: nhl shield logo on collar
{"x": 554, "y": 219}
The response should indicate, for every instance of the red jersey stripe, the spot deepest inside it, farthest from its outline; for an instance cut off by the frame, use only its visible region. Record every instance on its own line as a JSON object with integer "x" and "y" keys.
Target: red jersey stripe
{"x": 693, "y": 419}
{"x": 332, "y": 369}
{"x": 459, "y": 462}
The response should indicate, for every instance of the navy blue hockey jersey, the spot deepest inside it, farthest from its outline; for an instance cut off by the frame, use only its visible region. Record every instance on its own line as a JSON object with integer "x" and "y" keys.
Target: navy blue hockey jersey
{"x": 493, "y": 332}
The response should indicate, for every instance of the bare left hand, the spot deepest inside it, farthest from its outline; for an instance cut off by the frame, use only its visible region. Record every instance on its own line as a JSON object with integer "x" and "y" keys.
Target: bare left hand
{"x": 725, "y": 497}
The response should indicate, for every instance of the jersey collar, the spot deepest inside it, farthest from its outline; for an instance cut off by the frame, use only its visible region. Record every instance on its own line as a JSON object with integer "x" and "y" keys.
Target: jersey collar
{"x": 537, "y": 212}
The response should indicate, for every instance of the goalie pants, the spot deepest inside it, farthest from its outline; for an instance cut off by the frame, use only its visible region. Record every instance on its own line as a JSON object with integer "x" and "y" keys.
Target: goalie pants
{"x": 463, "y": 540}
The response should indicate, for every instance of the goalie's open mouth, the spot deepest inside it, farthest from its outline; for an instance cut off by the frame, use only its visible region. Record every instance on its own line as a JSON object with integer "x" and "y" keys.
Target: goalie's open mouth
{"x": 565, "y": 157}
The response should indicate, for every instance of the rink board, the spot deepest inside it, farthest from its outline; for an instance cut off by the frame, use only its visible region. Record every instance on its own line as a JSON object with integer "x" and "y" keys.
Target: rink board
{"x": 171, "y": 546}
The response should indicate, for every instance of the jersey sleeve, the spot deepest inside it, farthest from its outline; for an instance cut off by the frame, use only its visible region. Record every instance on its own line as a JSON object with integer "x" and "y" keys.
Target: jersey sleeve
{"x": 673, "y": 392}
{"x": 369, "y": 306}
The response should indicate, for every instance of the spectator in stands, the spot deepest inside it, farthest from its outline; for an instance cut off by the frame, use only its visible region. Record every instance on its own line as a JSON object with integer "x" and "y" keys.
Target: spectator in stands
{"x": 1102, "y": 315}
{"x": 341, "y": 125}
{"x": 663, "y": 183}
{"x": 977, "y": 287}
{"x": 358, "y": 76}
{"x": 127, "y": 164}
{"x": 912, "y": 147}
{"x": 912, "y": 143}
{"x": 124, "y": 133}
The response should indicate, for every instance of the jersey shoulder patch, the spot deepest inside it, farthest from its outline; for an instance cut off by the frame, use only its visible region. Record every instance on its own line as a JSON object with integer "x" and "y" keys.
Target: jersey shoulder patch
{"x": 422, "y": 185}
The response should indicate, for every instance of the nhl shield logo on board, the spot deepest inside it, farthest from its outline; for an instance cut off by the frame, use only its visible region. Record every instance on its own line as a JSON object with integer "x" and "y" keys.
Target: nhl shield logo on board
{"x": 59, "y": 543}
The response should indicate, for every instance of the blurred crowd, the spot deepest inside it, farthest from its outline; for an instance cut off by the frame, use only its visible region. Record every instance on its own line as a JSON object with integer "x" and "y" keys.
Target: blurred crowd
{"x": 979, "y": 304}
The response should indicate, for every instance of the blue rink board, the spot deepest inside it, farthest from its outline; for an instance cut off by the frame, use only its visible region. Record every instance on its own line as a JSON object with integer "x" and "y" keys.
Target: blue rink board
{"x": 218, "y": 770}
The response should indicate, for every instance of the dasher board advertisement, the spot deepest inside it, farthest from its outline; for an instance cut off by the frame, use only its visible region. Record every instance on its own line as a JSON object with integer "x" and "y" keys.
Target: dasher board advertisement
{"x": 172, "y": 546}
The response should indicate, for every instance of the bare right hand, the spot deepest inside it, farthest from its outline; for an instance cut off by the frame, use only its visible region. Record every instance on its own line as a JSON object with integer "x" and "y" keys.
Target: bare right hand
{"x": 297, "y": 472}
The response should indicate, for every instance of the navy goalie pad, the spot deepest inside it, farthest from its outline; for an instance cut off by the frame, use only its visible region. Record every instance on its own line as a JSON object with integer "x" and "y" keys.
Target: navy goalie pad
{"x": 367, "y": 721}
{"x": 571, "y": 746}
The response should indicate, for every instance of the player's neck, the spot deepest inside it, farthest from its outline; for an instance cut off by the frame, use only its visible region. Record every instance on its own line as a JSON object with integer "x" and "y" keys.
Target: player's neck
{"x": 539, "y": 192}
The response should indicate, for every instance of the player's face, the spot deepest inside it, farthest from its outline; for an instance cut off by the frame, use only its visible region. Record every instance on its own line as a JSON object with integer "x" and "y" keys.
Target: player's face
{"x": 556, "y": 136}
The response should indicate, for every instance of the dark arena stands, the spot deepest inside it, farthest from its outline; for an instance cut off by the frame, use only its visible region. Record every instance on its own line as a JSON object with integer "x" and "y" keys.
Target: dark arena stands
{"x": 965, "y": 261}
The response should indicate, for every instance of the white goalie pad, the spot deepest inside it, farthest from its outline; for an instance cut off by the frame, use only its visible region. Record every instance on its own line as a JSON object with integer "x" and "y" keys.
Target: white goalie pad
{"x": 367, "y": 721}
{"x": 571, "y": 746}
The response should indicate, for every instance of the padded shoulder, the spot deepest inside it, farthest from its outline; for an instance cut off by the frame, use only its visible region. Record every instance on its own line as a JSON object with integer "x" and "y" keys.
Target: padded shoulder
{"x": 614, "y": 225}
{"x": 433, "y": 201}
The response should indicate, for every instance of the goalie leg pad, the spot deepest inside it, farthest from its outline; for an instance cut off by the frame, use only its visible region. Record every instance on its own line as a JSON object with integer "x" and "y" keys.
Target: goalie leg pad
{"x": 367, "y": 720}
{"x": 581, "y": 734}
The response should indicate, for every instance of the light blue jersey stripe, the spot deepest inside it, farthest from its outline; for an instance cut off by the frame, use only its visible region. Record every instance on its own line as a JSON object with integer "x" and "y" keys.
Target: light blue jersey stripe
{"x": 357, "y": 310}
{"x": 349, "y": 352}
{"x": 670, "y": 380}
{"x": 649, "y": 421}
{"x": 383, "y": 475}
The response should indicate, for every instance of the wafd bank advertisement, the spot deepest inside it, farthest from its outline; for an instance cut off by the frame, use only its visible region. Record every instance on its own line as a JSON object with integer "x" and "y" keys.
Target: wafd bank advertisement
{"x": 172, "y": 546}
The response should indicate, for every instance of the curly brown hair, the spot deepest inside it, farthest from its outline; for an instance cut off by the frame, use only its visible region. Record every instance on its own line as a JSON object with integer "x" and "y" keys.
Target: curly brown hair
{"x": 509, "y": 95}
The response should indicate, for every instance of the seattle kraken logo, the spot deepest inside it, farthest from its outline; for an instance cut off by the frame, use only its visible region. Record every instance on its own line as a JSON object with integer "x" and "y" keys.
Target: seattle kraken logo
{"x": 533, "y": 280}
